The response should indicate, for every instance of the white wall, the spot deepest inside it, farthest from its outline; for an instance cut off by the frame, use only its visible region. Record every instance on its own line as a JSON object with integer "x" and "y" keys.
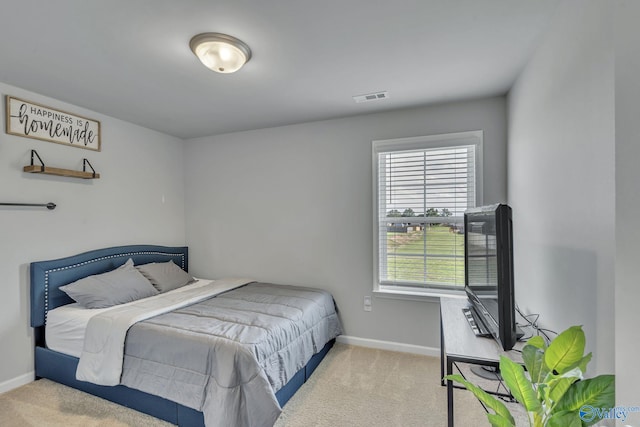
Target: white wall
{"x": 627, "y": 290}
{"x": 561, "y": 177}
{"x": 293, "y": 205}
{"x": 138, "y": 167}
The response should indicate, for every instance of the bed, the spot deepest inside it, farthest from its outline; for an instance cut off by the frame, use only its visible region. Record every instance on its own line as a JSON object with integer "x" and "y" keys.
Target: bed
{"x": 277, "y": 360}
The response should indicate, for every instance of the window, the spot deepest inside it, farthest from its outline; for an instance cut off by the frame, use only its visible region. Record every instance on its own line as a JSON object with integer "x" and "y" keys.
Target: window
{"x": 422, "y": 186}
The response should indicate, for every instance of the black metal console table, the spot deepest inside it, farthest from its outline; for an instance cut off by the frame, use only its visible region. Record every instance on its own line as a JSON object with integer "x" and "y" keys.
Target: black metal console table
{"x": 458, "y": 343}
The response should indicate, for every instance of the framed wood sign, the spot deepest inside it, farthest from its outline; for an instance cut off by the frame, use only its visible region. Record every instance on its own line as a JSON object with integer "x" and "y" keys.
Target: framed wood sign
{"x": 36, "y": 121}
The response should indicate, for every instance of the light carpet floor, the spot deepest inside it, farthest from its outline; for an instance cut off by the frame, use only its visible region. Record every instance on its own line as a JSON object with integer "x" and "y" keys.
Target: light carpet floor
{"x": 353, "y": 386}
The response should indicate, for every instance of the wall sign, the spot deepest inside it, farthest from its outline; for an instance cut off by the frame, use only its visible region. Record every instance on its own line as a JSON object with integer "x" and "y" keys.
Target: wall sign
{"x": 36, "y": 121}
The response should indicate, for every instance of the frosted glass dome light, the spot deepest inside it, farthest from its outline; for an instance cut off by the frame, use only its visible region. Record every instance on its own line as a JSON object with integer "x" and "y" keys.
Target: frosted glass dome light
{"x": 220, "y": 52}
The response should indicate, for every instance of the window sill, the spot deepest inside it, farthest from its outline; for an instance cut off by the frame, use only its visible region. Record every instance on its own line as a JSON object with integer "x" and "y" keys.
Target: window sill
{"x": 412, "y": 294}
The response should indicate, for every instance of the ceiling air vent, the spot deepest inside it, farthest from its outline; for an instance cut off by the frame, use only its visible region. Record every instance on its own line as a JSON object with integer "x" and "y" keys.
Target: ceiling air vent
{"x": 377, "y": 96}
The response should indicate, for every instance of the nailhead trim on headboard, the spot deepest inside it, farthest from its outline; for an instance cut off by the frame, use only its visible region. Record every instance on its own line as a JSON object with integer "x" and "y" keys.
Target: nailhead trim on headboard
{"x": 46, "y": 272}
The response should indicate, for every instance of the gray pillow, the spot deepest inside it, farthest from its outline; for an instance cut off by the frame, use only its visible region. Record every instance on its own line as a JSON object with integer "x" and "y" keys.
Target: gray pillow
{"x": 124, "y": 284}
{"x": 165, "y": 276}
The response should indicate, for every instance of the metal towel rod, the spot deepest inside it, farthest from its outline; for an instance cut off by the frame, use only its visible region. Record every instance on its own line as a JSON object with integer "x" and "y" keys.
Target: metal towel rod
{"x": 49, "y": 205}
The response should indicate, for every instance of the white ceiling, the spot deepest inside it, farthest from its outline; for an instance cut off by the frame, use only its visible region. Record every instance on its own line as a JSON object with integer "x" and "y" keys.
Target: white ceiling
{"x": 130, "y": 59}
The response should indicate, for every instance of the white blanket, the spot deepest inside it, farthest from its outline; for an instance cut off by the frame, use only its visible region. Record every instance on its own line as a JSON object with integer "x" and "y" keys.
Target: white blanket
{"x": 103, "y": 352}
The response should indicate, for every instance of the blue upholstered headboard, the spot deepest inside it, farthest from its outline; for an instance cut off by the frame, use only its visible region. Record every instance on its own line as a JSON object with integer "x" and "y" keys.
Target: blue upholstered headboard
{"x": 48, "y": 276}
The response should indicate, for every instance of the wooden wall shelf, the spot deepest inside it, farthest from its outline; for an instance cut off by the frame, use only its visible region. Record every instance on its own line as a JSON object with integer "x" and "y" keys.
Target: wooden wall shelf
{"x": 41, "y": 168}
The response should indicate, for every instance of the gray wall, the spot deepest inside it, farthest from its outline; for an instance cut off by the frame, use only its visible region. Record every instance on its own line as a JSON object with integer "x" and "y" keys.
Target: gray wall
{"x": 627, "y": 290}
{"x": 138, "y": 168}
{"x": 293, "y": 205}
{"x": 561, "y": 177}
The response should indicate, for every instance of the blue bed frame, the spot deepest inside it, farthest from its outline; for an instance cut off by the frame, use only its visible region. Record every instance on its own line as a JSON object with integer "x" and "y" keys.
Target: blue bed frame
{"x": 48, "y": 276}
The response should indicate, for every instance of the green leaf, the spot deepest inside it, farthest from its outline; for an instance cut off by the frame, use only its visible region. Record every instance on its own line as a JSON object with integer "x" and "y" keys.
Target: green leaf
{"x": 565, "y": 350}
{"x": 491, "y": 402}
{"x": 573, "y": 373}
{"x": 582, "y": 363}
{"x": 564, "y": 419}
{"x": 517, "y": 382}
{"x": 538, "y": 420}
{"x": 497, "y": 421}
{"x": 537, "y": 342}
{"x": 533, "y": 359}
{"x": 543, "y": 392}
{"x": 559, "y": 386}
{"x": 598, "y": 392}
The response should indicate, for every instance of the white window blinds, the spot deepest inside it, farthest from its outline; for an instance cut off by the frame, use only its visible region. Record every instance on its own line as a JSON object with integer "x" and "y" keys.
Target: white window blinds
{"x": 422, "y": 188}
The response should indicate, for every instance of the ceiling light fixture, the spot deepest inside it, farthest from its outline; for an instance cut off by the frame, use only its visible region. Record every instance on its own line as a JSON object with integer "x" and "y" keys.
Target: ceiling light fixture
{"x": 220, "y": 52}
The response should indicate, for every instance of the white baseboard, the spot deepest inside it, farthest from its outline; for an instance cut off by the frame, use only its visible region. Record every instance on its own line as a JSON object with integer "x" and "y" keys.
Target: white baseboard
{"x": 17, "y": 382}
{"x": 389, "y": 345}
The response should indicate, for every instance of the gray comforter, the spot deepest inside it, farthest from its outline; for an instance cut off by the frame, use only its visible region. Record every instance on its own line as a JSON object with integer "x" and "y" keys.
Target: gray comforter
{"x": 228, "y": 355}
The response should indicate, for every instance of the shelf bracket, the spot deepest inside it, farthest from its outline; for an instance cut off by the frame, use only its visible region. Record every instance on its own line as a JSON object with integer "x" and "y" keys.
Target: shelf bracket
{"x": 86, "y": 162}
{"x": 35, "y": 153}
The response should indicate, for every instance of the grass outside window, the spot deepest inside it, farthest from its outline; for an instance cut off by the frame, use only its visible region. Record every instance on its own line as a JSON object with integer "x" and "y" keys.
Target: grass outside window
{"x": 433, "y": 254}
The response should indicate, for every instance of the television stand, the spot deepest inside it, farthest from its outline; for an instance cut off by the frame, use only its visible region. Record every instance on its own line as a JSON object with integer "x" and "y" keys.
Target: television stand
{"x": 459, "y": 344}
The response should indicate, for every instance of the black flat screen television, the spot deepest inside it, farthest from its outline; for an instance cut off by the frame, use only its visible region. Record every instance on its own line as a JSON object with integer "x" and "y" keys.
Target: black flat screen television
{"x": 488, "y": 260}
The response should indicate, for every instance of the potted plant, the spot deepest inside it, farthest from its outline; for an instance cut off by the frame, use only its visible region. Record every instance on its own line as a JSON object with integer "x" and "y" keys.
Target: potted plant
{"x": 553, "y": 389}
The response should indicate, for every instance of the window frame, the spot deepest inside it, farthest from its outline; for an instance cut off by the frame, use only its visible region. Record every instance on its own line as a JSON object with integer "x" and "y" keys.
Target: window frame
{"x": 447, "y": 140}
